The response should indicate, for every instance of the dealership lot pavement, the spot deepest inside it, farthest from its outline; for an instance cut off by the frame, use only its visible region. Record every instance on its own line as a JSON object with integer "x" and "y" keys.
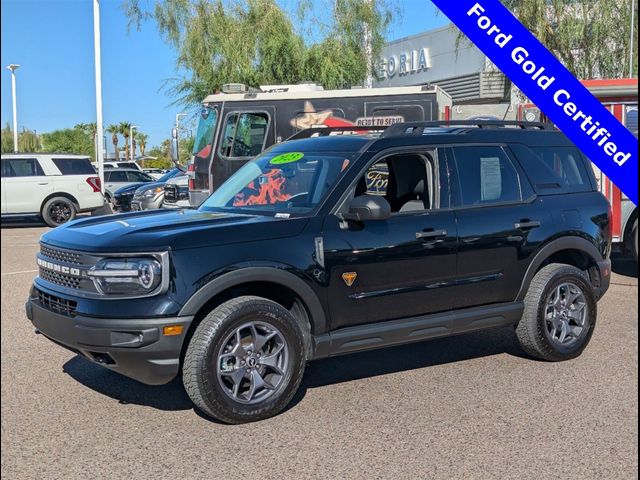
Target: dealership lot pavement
{"x": 465, "y": 407}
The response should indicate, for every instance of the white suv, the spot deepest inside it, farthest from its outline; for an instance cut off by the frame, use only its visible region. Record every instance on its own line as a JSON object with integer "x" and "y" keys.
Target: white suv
{"x": 54, "y": 186}
{"x": 108, "y": 164}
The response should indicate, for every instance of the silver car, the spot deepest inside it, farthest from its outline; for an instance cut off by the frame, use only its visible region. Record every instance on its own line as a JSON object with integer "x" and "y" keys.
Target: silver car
{"x": 116, "y": 178}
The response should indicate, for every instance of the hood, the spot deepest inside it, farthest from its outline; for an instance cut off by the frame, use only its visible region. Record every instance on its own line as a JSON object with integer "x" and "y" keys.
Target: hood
{"x": 129, "y": 188}
{"x": 148, "y": 186}
{"x": 155, "y": 230}
{"x": 179, "y": 180}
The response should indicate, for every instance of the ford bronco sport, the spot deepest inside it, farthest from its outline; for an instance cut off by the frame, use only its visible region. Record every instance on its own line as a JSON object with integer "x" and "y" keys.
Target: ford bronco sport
{"x": 330, "y": 244}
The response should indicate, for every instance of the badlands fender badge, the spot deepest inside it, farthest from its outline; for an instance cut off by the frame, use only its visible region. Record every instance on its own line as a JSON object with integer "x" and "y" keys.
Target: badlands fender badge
{"x": 349, "y": 278}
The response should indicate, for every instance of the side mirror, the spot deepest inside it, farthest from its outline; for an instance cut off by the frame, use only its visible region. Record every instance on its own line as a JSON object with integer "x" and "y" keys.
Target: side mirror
{"x": 175, "y": 156}
{"x": 368, "y": 207}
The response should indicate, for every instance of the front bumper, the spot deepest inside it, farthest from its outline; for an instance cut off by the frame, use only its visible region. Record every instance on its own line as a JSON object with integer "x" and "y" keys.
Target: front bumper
{"x": 143, "y": 203}
{"x": 122, "y": 202}
{"x": 136, "y": 348}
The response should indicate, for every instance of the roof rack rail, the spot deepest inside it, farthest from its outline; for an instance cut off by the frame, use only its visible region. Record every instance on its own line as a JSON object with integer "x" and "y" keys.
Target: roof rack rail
{"x": 327, "y": 131}
{"x": 418, "y": 128}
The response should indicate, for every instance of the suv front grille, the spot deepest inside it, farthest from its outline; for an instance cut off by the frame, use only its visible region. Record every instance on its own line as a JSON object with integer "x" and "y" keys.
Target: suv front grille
{"x": 170, "y": 193}
{"x": 57, "y": 304}
{"x": 61, "y": 255}
{"x": 66, "y": 268}
{"x": 59, "y": 278}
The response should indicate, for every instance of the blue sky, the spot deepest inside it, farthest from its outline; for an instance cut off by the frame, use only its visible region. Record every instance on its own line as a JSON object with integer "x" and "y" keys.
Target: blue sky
{"x": 52, "y": 40}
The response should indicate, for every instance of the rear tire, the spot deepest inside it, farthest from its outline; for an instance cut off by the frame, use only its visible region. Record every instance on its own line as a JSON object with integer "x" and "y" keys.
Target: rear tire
{"x": 560, "y": 314}
{"x": 58, "y": 210}
{"x": 245, "y": 360}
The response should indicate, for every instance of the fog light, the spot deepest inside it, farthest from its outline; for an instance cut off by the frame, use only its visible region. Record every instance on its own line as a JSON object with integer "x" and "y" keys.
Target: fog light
{"x": 172, "y": 330}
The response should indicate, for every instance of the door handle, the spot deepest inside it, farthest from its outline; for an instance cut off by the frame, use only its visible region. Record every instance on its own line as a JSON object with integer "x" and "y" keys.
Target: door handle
{"x": 526, "y": 224}
{"x": 43, "y": 183}
{"x": 431, "y": 233}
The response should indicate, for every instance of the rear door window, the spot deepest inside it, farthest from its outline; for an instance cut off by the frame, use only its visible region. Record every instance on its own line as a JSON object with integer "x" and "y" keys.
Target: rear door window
{"x": 117, "y": 177}
{"x": 138, "y": 177}
{"x": 22, "y": 167}
{"x": 484, "y": 175}
{"x": 74, "y": 166}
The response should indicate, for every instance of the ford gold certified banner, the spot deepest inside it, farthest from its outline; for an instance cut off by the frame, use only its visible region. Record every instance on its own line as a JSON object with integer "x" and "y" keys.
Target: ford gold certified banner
{"x": 530, "y": 66}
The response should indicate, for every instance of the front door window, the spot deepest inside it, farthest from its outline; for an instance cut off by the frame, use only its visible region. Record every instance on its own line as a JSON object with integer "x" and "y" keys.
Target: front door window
{"x": 244, "y": 134}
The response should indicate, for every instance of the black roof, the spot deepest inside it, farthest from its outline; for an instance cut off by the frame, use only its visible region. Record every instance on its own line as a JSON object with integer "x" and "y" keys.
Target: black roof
{"x": 352, "y": 139}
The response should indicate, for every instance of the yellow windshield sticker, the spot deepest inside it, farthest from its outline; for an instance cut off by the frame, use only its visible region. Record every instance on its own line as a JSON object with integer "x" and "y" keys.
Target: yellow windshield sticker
{"x": 286, "y": 158}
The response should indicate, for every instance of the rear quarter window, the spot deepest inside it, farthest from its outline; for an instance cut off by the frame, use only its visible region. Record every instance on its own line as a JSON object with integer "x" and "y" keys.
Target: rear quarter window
{"x": 555, "y": 169}
{"x": 74, "y": 166}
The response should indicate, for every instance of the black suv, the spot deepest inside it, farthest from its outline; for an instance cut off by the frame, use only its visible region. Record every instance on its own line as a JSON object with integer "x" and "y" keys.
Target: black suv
{"x": 330, "y": 244}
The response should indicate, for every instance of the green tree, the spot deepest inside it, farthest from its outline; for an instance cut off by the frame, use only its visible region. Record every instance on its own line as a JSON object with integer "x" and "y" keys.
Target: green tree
{"x": 124, "y": 130}
{"x": 114, "y": 130}
{"x": 255, "y": 42}
{"x": 69, "y": 140}
{"x": 28, "y": 140}
{"x": 186, "y": 149}
{"x": 590, "y": 37}
{"x": 141, "y": 139}
{"x": 7, "y": 139}
{"x": 161, "y": 160}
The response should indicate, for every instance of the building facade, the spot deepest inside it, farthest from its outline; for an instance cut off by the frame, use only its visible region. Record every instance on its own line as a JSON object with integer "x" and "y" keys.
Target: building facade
{"x": 441, "y": 57}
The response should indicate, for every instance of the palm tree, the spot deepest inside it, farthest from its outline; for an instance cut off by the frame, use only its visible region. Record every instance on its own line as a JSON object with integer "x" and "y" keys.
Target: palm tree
{"x": 141, "y": 139}
{"x": 114, "y": 130}
{"x": 125, "y": 128}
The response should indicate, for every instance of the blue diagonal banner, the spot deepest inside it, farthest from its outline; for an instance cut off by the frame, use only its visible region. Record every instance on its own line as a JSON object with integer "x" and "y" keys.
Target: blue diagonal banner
{"x": 542, "y": 78}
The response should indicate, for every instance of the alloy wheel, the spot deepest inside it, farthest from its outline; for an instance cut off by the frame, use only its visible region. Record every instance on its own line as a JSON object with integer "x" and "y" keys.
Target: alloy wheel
{"x": 59, "y": 212}
{"x": 566, "y": 314}
{"x": 253, "y": 362}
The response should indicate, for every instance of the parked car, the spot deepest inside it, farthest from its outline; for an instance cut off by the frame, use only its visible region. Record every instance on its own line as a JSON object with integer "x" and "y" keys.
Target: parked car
{"x": 291, "y": 260}
{"x": 147, "y": 196}
{"x": 155, "y": 172}
{"x": 176, "y": 193}
{"x": 107, "y": 164}
{"x": 53, "y": 186}
{"x": 116, "y": 178}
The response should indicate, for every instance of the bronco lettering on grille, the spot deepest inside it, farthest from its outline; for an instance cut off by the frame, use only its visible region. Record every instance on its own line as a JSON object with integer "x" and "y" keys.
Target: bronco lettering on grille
{"x": 59, "y": 268}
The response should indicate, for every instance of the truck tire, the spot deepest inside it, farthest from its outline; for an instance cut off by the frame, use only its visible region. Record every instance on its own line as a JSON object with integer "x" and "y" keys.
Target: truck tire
{"x": 559, "y": 315}
{"x": 58, "y": 210}
{"x": 245, "y": 360}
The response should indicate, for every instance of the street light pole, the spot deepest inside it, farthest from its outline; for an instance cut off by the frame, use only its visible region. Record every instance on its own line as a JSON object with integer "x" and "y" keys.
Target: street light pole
{"x": 131, "y": 150}
{"x": 98, "y": 70}
{"x": 13, "y": 67}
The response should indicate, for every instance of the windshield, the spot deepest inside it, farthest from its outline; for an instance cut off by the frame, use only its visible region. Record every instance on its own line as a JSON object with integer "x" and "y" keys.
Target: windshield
{"x": 276, "y": 182}
{"x": 204, "y": 136}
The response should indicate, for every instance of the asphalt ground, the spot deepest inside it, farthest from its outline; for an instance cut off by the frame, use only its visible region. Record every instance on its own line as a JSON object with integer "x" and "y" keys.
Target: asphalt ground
{"x": 471, "y": 406}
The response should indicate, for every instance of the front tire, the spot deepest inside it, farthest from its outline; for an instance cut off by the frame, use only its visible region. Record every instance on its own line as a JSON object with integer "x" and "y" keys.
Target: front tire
{"x": 58, "y": 210}
{"x": 245, "y": 360}
{"x": 560, "y": 314}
